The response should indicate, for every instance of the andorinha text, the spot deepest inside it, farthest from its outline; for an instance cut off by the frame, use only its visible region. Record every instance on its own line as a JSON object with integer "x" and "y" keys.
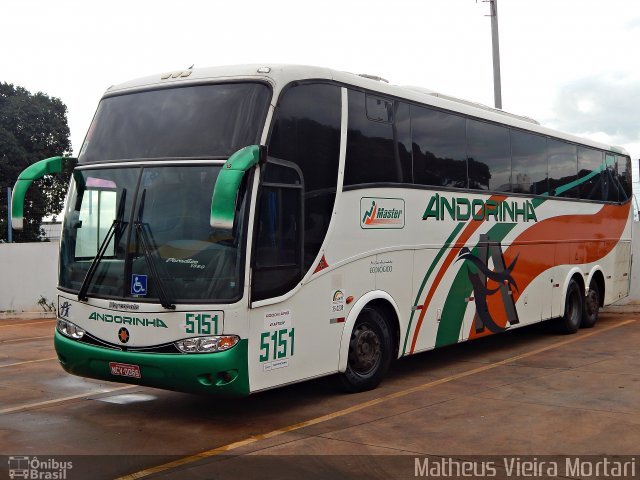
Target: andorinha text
{"x": 462, "y": 209}
{"x": 126, "y": 320}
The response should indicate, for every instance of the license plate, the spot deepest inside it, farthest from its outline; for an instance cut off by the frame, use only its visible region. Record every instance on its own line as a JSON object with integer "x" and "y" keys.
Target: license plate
{"x": 125, "y": 370}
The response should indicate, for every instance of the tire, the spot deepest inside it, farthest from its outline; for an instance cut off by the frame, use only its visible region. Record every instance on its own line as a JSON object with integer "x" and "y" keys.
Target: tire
{"x": 591, "y": 306}
{"x": 573, "y": 307}
{"x": 369, "y": 352}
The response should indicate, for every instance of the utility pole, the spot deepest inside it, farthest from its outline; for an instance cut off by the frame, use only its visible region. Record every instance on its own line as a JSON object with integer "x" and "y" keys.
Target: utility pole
{"x": 497, "y": 86}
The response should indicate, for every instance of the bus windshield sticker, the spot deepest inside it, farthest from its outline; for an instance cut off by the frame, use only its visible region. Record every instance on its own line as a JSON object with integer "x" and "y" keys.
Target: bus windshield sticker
{"x": 277, "y": 320}
{"x": 337, "y": 301}
{"x": 138, "y": 284}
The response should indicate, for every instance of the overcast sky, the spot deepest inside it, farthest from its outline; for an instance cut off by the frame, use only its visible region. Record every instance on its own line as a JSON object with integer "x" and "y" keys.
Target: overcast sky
{"x": 570, "y": 64}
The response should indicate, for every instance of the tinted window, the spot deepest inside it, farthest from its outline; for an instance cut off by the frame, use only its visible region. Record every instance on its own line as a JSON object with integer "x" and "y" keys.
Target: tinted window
{"x": 403, "y": 155}
{"x": 372, "y": 153}
{"x": 439, "y": 150}
{"x": 379, "y": 109}
{"x": 489, "y": 156}
{"x": 589, "y": 174}
{"x": 200, "y": 121}
{"x": 306, "y": 132}
{"x": 277, "y": 250}
{"x": 563, "y": 169}
{"x": 528, "y": 163}
{"x": 611, "y": 188}
{"x": 624, "y": 176}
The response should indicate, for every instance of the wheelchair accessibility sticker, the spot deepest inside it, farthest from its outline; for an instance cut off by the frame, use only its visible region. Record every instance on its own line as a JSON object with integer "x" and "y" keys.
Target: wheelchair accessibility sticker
{"x": 138, "y": 284}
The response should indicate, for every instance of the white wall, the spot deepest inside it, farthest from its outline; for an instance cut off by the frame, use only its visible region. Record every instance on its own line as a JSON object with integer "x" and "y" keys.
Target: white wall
{"x": 27, "y": 271}
{"x": 634, "y": 291}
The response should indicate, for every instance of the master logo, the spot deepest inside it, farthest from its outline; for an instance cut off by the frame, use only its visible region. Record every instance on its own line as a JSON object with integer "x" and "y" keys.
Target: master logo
{"x": 381, "y": 213}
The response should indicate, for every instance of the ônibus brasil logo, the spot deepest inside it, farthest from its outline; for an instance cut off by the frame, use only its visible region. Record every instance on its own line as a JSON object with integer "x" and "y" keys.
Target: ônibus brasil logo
{"x": 381, "y": 212}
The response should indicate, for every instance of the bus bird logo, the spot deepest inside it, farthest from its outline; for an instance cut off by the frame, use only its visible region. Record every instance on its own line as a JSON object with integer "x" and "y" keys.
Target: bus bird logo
{"x": 500, "y": 275}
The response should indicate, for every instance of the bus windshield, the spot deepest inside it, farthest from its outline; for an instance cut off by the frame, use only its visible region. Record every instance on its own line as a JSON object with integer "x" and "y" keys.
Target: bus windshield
{"x": 202, "y": 121}
{"x": 151, "y": 225}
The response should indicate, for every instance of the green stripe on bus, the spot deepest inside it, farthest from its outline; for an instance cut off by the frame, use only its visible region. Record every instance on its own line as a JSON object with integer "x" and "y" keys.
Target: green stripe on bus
{"x": 445, "y": 247}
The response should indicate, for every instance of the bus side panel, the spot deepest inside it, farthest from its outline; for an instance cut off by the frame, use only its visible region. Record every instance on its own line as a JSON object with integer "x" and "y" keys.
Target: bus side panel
{"x": 299, "y": 338}
{"x": 393, "y": 272}
{"x": 622, "y": 269}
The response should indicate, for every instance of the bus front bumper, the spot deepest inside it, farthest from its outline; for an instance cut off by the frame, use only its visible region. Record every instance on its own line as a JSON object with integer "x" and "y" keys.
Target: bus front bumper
{"x": 223, "y": 374}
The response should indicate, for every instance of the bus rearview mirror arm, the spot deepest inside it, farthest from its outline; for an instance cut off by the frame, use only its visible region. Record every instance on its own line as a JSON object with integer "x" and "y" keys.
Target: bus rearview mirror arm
{"x": 225, "y": 191}
{"x": 48, "y": 166}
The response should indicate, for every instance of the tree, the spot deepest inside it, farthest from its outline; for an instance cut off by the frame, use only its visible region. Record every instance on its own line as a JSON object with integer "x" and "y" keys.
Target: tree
{"x": 32, "y": 127}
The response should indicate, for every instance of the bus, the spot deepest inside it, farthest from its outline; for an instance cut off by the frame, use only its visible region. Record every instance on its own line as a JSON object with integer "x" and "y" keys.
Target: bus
{"x": 229, "y": 230}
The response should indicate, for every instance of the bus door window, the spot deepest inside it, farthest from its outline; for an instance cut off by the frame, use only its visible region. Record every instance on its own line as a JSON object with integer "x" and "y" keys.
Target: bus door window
{"x": 280, "y": 231}
{"x": 306, "y": 133}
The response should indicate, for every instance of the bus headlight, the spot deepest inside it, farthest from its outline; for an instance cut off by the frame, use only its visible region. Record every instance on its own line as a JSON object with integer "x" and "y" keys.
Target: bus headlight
{"x": 207, "y": 344}
{"x": 69, "y": 329}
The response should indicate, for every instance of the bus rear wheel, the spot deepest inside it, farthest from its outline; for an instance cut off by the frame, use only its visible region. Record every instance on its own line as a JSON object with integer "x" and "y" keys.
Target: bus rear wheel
{"x": 369, "y": 352}
{"x": 591, "y": 306}
{"x": 573, "y": 307}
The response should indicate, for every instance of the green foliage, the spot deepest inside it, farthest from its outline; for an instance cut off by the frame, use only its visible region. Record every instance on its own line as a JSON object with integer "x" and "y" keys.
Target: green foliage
{"x": 46, "y": 305}
{"x": 32, "y": 127}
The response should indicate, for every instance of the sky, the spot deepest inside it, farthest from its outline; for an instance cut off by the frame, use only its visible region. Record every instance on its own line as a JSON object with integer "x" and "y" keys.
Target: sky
{"x": 570, "y": 64}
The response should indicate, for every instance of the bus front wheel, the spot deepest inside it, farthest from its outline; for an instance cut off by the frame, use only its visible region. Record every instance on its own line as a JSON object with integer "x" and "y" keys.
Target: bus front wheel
{"x": 369, "y": 352}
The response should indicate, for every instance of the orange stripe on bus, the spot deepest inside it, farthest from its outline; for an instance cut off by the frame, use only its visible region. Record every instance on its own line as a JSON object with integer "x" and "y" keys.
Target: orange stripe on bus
{"x": 584, "y": 239}
{"x": 459, "y": 243}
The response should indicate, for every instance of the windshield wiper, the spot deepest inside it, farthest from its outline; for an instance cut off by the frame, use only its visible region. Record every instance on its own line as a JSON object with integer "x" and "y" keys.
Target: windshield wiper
{"x": 148, "y": 256}
{"x": 117, "y": 226}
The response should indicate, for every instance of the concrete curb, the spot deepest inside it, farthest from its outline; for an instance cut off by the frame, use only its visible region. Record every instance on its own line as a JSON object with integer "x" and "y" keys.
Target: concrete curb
{"x": 629, "y": 308}
{"x": 26, "y": 315}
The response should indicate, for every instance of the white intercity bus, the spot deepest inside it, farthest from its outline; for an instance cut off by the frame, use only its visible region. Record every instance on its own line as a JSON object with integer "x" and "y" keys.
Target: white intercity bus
{"x": 230, "y": 230}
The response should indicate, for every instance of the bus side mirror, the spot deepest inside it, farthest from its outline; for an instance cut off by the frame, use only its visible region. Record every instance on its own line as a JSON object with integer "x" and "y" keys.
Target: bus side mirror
{"x": 225, "y": 191}
{"x": 33, "y": 172}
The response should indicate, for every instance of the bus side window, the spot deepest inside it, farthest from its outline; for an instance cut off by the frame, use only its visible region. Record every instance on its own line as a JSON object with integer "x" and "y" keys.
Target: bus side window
{"x": 624, "y": 176}
{"x": 529, "y": 163}
{"x": 439, "y": 150}
{"x": 377, "y": 141}
{"x": 488, "y": 156}
{"x": 589, "y": 176}
{"x": 563, "y": 169}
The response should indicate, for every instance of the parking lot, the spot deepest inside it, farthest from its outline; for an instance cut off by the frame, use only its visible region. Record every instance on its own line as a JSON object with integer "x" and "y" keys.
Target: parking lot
{"x": 526, "y": 392}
